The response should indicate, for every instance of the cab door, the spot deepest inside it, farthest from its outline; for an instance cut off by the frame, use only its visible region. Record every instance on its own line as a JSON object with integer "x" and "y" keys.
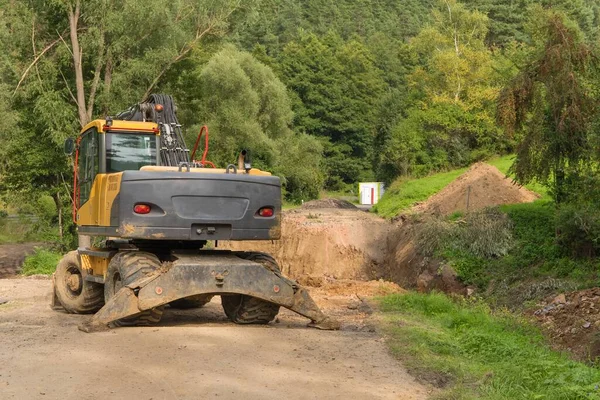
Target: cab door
{"x": 87, "y": 169}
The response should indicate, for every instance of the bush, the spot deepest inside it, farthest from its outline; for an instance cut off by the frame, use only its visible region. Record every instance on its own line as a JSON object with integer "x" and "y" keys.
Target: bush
{"x": 486, "y": 233}
{"x": 41, "y": 262}
{"x": 578, "y": 229}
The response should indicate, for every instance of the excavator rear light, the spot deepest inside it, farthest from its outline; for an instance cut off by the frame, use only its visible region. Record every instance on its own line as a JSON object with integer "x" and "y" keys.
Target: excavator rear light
{"x": 142, "y": 209}
{"x": 159, "y": 107}
{"x": 266, "y": 212}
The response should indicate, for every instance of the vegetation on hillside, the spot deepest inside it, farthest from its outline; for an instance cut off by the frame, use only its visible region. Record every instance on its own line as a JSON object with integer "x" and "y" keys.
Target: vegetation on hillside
{"x": 471, "y": 352}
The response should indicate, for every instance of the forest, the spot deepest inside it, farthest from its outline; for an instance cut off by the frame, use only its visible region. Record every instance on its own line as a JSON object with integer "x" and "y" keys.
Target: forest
{"x": 323, "y": 93}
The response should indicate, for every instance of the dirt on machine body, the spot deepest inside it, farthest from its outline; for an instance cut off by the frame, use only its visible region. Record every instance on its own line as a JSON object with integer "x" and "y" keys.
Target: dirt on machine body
{"x": 138, "y": 186}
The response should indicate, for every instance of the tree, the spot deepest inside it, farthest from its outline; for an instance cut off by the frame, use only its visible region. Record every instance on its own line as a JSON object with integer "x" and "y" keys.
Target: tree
{"x": 337, "y": 91}
{"x": 551, "y": 105}
{"x": 450, "y": 117}
{"x": 247, "y": 107}
{"x": 70, "y": 60}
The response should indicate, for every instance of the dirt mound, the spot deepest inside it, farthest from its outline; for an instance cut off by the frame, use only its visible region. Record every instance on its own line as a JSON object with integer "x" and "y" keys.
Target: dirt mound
{"x": 481, "y": 186}
{"x": 12, "y": 257}
{"x": 572, "y": 321}
{"x": 329, "y": 203}
{"x": 317, "y": 246}
{"x": 324, "y": 247}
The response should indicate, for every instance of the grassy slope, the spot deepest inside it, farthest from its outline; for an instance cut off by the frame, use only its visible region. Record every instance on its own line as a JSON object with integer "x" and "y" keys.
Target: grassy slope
{"x": 405, "y": 192}
{"x": 474, "y": 353}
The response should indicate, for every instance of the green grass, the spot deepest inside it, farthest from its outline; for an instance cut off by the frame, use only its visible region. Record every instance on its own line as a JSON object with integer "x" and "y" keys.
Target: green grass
{"x": 471, "y": 352}
{"x": 405, "y": 192}
{"x": 41, "y": 262}
{"x": 504, "y": 163}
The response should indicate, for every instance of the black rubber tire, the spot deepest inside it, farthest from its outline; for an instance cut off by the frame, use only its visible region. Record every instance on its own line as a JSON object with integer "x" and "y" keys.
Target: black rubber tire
{"x": 191, "y": 302}
{"x": 125, "y": 268}
{"x": 243, "y": 309}
{"x": 87, "y": 298}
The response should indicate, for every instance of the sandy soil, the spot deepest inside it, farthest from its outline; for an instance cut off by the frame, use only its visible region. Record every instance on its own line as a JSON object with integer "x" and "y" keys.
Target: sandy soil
{"x": 13, "y": 255}
{"x": 323, "y": 244}
{"x": 197, "y": 354}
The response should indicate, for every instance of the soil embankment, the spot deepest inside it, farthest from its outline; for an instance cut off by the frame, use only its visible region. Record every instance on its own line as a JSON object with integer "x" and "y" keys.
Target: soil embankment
{"x": 319, "y": 245}
{"x": 12, "y": 257}
{"x": 327, "y": 239}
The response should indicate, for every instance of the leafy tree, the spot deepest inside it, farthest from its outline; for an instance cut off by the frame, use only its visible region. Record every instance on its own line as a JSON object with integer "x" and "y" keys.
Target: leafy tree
{"x": 450, "y": 119}
{"x": 247, "y": 106}
{"x": 551, "y": 105}
{"x": 507, "y": 19}
{"x": 337, "y": 91}
{"x": 70, "y": 60}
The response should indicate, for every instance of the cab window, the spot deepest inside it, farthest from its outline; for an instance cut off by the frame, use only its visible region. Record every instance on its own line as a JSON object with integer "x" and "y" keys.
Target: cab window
{"x": 129, "y": 151}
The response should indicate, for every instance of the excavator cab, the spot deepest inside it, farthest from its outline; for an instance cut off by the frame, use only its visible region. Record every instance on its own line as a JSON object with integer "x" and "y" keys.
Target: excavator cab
{"x": 154, "y": 209}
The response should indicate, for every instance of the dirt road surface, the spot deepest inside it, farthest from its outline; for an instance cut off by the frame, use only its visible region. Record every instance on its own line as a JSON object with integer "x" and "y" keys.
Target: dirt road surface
{"x": 194, "y": 354}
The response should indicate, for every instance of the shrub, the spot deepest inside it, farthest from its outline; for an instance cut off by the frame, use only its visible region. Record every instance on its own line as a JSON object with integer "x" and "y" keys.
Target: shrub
{"x": 41, "y": 262}
{"x": 578, "y": 229}
{"x": 486, "y": 233}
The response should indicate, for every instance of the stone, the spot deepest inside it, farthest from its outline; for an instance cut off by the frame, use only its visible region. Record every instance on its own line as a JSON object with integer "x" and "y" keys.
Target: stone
{"x": 560, "y": 299}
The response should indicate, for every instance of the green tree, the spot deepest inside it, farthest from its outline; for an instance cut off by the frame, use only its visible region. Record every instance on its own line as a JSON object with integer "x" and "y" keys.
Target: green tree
{"x": 450, "y": 118}
{"x": 247, "y": 107}
{"x": 337, "y": 91}
{"x": 551, "y": 105}
{"x": 66, "y": 61}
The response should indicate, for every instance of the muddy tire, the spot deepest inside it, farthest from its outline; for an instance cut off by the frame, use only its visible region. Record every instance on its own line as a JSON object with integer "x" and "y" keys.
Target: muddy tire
{"x": 75, "y": 294}
{"x": 191, "y": 302}
{"x": 124, "y": 269}
{"x": 243, "y": 309}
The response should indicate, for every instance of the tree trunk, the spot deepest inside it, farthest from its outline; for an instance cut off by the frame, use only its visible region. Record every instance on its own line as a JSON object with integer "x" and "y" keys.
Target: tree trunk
{"x": 77, "y": 63}
{"x": 59, "y": 210}
{"x": 107, "y": 81}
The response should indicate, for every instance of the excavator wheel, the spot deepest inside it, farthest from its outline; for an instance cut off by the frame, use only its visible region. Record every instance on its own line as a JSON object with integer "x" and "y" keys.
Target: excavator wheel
{"x": 74, "y": 293}
{"x": 191, "y": 302}
{"x": 125, "y": 268}
{"x": 243, "y": 309}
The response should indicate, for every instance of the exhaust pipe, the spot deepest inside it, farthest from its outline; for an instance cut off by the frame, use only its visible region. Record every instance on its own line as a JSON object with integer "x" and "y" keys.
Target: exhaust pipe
{"x": 244, "y": 162}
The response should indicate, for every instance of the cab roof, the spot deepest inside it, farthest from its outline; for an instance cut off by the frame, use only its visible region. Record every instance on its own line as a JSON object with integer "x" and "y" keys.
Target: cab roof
{"x": 125, "y": 126}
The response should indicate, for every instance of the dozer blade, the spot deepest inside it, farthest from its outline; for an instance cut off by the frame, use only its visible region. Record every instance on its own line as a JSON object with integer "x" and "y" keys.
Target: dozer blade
{"x": 215, "y": 274}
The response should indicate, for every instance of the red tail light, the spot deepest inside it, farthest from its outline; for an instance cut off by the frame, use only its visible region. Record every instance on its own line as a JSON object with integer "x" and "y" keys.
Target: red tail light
{"x": 141, "y": 209}
{"x": 266, "y": 212}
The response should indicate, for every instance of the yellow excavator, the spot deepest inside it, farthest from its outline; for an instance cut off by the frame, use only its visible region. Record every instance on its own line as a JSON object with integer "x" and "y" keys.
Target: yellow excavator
{"x": 152, "y": 210}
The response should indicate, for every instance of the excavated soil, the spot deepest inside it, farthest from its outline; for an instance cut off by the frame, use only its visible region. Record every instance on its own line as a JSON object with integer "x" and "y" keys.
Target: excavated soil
{"x": 198, "y": 354}
{"x": 318, "y": 245}
{"x": 572, "y": 322}
{"x": 481, "y": 186}
{"x": 12, "y": 257}
{"x": 324, "y": 245}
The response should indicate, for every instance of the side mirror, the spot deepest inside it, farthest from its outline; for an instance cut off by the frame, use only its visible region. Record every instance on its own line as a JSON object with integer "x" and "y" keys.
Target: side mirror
{"x": 69, "y": 146}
